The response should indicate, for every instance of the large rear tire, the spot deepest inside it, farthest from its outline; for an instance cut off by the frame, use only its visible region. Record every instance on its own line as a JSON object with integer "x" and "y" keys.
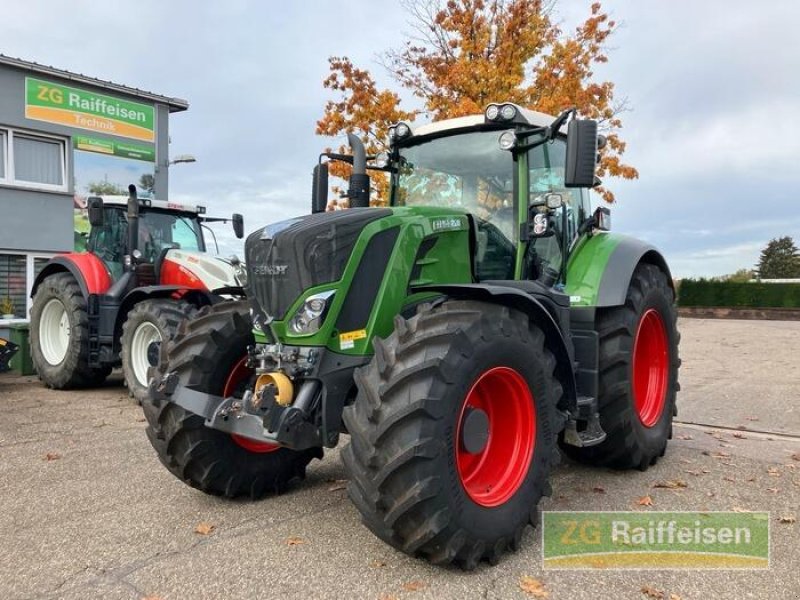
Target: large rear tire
{"x": 452, "y": 433}
{"x": 60, "y": 335}
{"x": 207, "y": 354}
{"x": 638, "y": 375}
{"x": 151, "y": 321}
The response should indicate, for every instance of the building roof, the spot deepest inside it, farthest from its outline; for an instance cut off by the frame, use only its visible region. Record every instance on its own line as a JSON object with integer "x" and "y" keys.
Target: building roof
{"x": 175, "y": 104}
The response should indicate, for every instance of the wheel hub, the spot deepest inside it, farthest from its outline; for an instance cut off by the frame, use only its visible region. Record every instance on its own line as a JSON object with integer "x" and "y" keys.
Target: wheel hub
{"x": 474, "y": 430}
{"x": 650, "y": 368}
{"x": 496, "y": 436}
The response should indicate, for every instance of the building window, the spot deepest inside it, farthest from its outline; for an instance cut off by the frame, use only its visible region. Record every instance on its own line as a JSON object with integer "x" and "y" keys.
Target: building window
{"x": 30, "y": 160}
{"x": 3, "y": 153}
{"x": 12, "y": 282}
{"x": 17, "y": 274}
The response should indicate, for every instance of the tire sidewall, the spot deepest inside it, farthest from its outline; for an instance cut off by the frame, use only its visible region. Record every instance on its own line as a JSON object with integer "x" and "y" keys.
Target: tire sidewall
{"x": 503, "y": 520}
{"x": 136, "y": 317}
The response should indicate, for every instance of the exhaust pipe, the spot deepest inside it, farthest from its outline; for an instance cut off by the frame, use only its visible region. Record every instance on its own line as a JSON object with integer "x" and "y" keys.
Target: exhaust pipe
{"x": 359, "y": 180}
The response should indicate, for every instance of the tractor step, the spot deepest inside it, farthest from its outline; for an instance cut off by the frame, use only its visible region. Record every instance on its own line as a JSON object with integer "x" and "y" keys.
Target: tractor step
{"x": 593, "y": 433}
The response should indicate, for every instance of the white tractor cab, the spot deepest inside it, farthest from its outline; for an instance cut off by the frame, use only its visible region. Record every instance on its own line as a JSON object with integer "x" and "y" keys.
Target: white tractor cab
{"x": 145, "y": 270}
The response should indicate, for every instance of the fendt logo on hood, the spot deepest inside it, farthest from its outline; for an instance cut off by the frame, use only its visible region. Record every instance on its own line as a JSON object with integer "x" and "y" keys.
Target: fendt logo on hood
{"x": 270, "y": 270}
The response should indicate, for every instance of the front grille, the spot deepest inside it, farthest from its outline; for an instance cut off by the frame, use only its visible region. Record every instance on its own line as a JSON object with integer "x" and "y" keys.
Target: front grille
{"x": 287, "y": 258}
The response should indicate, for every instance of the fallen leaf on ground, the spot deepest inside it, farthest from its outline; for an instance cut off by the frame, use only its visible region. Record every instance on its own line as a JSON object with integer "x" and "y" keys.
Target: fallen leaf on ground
{"x": 204, "y": 528}
{"x": 670, "y": 484}
{"x": 414, "y": 586}
{"x": 140, "y": 419}
{"x": 690, "y": 472}
{"x": 789, "y": 519}
{"x": 796, "y": 456}
{"x": 710, "y": 494}
{"x": 337, "y": 487}
{"x": 651, "y": 592}
{"x": 774, "y": 471}
{"x": 533, "y": 587}
{"x": 739, "y": 436}
{"x": 378, "y": 563}
{"x": 773, "y": 490}
{"x": 752, "y": 418}
{"x": 674, "y": 597}
{"x": 684, "y": 436}
{"x": 729, "y": 478}
{"x": 717, "y": 454}
{"x": 645, "y": 501}
{"x": 294, "y": 541}
{"x": 52, "y": 456}
{"x": 599, "y": 489}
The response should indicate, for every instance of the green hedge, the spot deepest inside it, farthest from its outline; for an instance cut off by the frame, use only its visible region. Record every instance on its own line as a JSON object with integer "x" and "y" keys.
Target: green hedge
{"x": 702, "y": 292}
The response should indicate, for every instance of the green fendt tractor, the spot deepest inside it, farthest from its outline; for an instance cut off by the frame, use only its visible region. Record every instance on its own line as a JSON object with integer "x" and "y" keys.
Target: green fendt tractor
{"x": 460, "y": 336}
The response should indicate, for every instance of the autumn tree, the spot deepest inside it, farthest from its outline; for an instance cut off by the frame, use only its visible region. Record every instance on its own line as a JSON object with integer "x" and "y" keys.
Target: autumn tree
{"x": 780, "y": 259}
{"x": 464, "y": 54}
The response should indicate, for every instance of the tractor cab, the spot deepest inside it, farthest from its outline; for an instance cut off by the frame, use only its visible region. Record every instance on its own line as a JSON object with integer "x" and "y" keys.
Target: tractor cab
{"x": 131, "y": 234}
{"x": 508, "y": 170}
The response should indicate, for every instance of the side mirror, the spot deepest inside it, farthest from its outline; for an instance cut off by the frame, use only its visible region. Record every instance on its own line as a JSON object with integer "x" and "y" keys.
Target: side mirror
{"x": 581, "y": 153}
{"x": 319, "y": 188}
{"x": 238, "y": 225}
{"x": 602, "y": 218}
{"x": 95, "y": 207}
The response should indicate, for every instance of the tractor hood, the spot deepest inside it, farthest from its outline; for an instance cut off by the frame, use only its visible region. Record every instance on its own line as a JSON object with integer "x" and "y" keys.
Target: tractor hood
{"x": 197, "y": 270}
{"x": 285, "y": 258}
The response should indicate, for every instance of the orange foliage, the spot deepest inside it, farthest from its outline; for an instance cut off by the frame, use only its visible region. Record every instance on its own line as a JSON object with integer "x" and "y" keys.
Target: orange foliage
{"x": 468, "y": 53}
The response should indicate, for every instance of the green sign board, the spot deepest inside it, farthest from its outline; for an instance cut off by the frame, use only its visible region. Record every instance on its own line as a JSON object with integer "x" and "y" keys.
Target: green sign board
{"x": 114, "y": 148}
{"x": 74, "y": 107}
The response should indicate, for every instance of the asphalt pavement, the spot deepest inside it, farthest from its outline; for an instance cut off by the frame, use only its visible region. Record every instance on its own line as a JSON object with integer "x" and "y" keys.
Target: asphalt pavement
{"x": 87, "y": 511}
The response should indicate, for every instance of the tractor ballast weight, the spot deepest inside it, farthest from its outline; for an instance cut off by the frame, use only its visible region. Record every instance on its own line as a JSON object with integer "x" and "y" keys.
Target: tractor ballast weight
{"x": 460, "y": 335}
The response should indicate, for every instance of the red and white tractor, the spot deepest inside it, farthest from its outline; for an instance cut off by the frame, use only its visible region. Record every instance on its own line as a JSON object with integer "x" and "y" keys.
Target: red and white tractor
{"x": 144, "y": 271}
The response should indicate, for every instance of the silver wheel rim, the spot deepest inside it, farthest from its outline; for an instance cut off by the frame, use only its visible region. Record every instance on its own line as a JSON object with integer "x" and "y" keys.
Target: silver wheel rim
{"x": 144, "y": 335}
{"x": 54, "y": 332}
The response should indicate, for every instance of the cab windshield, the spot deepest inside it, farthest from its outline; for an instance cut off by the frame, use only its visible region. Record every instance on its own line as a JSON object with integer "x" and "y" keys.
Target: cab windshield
{"x": 467, "y": 171}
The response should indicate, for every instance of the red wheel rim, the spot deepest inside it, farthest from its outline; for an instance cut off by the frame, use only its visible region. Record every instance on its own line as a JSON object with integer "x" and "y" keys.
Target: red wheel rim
{"x": 492, "y": 476}
{"x": 650, "y": 368}
{"x": 240, "y": 373}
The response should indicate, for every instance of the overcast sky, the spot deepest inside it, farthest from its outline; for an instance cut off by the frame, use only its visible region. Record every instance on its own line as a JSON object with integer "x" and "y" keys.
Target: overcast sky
{"x": 714, "y": 126}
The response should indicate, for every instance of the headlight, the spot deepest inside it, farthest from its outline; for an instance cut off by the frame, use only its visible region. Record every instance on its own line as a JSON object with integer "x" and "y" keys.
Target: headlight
{"x": 508, "y": 112}
{"x": 308, "y": 318}
{"x": 507, "y": 140}
{"x": 492, "y": 111}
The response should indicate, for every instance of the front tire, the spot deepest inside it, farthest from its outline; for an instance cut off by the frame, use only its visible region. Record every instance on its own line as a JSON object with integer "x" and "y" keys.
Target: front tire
{"x": 60, "y": 335}
{"x": 452, "y": 433}
{"x": 150, "y": 321}
{"x": 638, "y": 375}
{"x": 208, "y": 354}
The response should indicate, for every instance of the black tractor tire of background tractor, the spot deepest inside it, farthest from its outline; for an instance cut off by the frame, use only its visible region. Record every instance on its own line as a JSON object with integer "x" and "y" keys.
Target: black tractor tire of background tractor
{"x": 74, "y": 370}
{"x": 165, "y": 315}
{"x": 629, "y": 443}
{"x": 203, "y": 354}
{"x": 402, "y": 459}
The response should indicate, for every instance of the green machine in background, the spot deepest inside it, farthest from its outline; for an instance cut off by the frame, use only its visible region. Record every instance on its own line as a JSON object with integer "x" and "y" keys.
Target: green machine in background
{"x": 463, "y": 335}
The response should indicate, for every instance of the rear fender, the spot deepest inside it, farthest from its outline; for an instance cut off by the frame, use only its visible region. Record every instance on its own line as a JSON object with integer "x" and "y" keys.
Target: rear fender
{"x": 88, "y": 270}
{"x": 601, "y": 268}
{"x": 526, "y": 303}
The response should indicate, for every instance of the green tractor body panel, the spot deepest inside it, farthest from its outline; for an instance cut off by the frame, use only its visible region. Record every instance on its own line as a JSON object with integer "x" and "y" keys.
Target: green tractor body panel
{"x": 428, "y": 245}
{"x": 587, "y": 265}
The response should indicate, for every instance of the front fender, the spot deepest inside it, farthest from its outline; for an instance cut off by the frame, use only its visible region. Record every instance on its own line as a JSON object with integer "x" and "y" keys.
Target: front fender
{"x": 601, "y": 267}
{"x": 514, "y": 298}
